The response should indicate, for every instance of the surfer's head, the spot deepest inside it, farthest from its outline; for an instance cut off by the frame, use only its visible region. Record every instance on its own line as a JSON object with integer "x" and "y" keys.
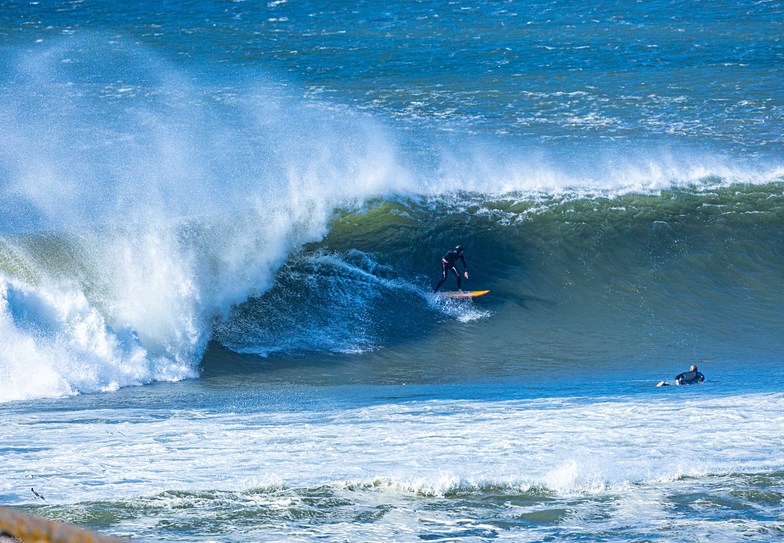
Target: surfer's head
{"x": 693, "y": 368}
{"x": 459, "y": 249}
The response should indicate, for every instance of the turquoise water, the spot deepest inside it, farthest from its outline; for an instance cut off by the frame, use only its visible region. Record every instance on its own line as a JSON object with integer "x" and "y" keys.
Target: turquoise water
{"x": 221, "y": 224}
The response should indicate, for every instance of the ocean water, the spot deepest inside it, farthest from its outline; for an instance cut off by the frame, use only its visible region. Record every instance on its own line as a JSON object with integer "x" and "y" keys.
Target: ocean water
{"x": 221, "y": 223}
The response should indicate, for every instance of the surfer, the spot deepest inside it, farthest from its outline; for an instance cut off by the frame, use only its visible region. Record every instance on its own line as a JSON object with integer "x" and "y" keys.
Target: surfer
{"x": 449, "y": 263}
{"x": 690, "y": 377}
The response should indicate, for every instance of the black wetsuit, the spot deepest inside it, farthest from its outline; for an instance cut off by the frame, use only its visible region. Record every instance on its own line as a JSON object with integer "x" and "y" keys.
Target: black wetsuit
{"x": 689, "y": 378}
{"x": 449, "y": 263}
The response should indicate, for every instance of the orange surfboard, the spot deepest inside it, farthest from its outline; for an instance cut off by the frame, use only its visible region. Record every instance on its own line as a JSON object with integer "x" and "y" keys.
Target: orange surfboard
{"x": 465, "y": 294}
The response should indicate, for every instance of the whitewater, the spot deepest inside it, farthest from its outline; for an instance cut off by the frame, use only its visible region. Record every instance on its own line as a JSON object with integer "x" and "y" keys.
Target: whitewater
{"x": 220, "y": 228}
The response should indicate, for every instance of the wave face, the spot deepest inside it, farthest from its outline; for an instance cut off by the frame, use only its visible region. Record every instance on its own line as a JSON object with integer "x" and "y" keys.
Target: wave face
{"x": 695, "y": 269}
{"x": 150, "y": 207}
{"x": 632, "y": 278}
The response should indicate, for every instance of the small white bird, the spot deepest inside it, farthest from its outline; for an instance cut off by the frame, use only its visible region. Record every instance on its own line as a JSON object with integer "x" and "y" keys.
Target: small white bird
{"x": 36, "y": 494}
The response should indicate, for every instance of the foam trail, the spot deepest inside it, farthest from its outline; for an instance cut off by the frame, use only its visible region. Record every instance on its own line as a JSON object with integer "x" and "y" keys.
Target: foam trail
{"x": 329, "y": 307}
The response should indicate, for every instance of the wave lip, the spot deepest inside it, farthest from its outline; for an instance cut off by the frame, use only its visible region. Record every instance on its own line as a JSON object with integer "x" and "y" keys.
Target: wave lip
{"x": 589, "y": 171}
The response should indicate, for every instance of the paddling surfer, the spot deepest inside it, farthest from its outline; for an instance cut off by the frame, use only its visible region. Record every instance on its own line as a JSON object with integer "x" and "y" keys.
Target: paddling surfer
{"x": 449, "y": 263}
{"x": 691, "y": 377}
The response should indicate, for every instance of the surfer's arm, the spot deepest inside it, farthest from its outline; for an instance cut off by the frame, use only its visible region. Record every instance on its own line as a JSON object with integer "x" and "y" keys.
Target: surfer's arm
{"x": 465, "y": 266}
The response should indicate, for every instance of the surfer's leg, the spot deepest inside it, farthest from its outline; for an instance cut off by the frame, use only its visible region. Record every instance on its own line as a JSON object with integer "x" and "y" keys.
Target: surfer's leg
{"x": 443, "y": 277}
{"x": 459, "y": 279}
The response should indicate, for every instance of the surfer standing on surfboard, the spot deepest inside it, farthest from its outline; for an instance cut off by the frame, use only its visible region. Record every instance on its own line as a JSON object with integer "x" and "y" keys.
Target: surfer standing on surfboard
{"x": 449, "y": 263}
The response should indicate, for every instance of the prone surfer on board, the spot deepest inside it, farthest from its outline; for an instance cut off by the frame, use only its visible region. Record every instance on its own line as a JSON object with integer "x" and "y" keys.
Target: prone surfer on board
{"x": 690, "y": 377}
{"x": 449, "y": 263}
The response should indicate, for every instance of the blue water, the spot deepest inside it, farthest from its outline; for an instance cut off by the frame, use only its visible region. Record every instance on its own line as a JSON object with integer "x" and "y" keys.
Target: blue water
{"x": 221, "y": 223}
